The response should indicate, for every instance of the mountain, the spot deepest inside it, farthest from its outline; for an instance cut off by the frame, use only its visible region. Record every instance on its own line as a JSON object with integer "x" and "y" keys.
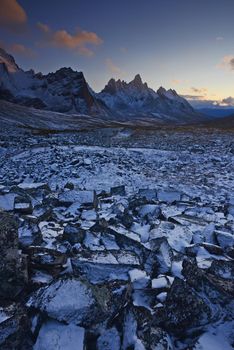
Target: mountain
{"x": 67, "y": 91}
{"x": 64, "y": 91}
{"x": 136, "y": 98}
{"x": 217, "y": 112}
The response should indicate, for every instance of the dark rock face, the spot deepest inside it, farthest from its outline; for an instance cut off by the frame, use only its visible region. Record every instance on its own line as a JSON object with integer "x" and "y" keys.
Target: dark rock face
{"x": 184, "y": 309}
{"x": 15, "y": 330}
{"x": 11, "y": 273}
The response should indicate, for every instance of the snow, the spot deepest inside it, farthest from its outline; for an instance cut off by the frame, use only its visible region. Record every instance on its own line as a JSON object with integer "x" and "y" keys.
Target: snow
{"x": 216, "y": 338}
{"x": 160, "y": 282}
{"x": 54, "y": 335}
{"x": 3, "y": 316}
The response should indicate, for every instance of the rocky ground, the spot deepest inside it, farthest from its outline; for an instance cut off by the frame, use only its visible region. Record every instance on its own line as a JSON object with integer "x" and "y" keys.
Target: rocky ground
{"x": 117, "y": 240}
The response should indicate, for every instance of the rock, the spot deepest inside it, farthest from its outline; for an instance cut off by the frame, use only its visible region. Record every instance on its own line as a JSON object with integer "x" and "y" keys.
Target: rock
{"x": 23, "y": 205}
{"x": 54, "y": 335}
{"x": 126, "y": 218}
{"x": 15, "y": 330}
{"x": 84, "y": 198}
{"x": 49, "y": 260}
{"x": 34, "y": 186}
{"x": 73, "y": 234}
{"x": 7, "y": 201}
{"x": 150, "y": 212}
{"x": 225, "y": 239}
{"x": 160, "y": 259}
{"x": 184, "y": 309}
{"x": 12, "y": 275}
{"x": 178, "y": 237}
{"x": 69, "y": 186}
{"x": 109, "y": 340}
{"x": 148, "y": 194}
{"x": 118, "y": 190}
{"x": 169, "y": 196}
{"x": 68, "y": 300}
{"x": 102, "y": 266}
{"x": 160, "y": 283}
{"x": 217, "y": 289}
{"x": 223, "y": 269}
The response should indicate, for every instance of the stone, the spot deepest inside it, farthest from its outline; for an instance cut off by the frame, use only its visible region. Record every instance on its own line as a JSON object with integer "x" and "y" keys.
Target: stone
{"x": 169, "y": 196}
{"x": 68, "y": 300}
{"x": 225, "y": 239}
{"x": 118, "y": 190}
{"x": 55, "y": 335}
{"x": 84, "y": 198}
{"x": 109, "y": 340}
{"x": 23, "y": 205}
{"x": 184, "y": 309}
{"x": 73, "y": 234}
{"x": 148, "y": 194}
{"x": 7, "y": 201}
{"x": 161, "y": 257}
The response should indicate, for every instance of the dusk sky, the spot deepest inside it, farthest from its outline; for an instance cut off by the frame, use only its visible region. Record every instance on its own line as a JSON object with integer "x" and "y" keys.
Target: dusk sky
{"x": 187, "y": 45}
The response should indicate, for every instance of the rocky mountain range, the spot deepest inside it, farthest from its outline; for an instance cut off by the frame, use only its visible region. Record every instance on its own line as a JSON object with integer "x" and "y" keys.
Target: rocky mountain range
{"x": 67, "y": 91}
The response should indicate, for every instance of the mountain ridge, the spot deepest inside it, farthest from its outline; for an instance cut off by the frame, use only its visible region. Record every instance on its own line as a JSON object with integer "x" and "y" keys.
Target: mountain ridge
{"x": 67, "y": 91}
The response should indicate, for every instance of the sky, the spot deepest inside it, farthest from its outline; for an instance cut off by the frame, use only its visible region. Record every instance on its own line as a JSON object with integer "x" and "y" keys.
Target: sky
{"x": 186, "y": 45}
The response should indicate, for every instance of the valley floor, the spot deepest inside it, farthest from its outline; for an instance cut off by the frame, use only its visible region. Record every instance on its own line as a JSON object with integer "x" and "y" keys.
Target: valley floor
{"x": 128, "y": 236}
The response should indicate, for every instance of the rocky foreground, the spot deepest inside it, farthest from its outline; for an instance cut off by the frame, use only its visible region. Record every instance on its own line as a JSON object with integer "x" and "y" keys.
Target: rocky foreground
{"x": 128, "y": 246}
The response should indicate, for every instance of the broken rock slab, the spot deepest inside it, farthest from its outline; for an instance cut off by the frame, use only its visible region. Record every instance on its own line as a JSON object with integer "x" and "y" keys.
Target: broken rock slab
{"x": 55, "y": 335}
{"x": 84, "y": 198}
{"x": 68, "y": 300}
{"x": 168, "y": 196}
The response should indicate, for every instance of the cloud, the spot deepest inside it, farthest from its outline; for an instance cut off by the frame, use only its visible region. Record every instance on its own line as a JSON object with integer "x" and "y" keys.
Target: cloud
{"x": 12, "y": 14}
{"x": 176, "y": 81}
{"x": 112, "y": 67}
{"x": 194, "y": 97}
{"x": 43, "y": 27}
{"x": 219, "y": 38}
{"x": 202, "y": 91}
{"x": 227, "y": 63}
{"x": 21, "y": 50}
{"x": 77, "y": 41}
{"x": 229, "y": 101}
{"x": 18, "y": 49}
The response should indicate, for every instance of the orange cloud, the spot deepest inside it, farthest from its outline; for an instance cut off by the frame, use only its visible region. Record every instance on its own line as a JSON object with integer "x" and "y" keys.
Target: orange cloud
{"x": 227, "y": 63}
{"x": 112, "y": 67}
{"x": 12, "y": 15}
{"x": 21, "y": 50}
{"x": 176, "y": 81}
{"x": 77, "y": 41}
{"x": 43, "y": 27}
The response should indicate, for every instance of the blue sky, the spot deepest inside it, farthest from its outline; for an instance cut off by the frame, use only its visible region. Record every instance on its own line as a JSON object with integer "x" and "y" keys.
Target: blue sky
{"x": 187, "y": 45}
